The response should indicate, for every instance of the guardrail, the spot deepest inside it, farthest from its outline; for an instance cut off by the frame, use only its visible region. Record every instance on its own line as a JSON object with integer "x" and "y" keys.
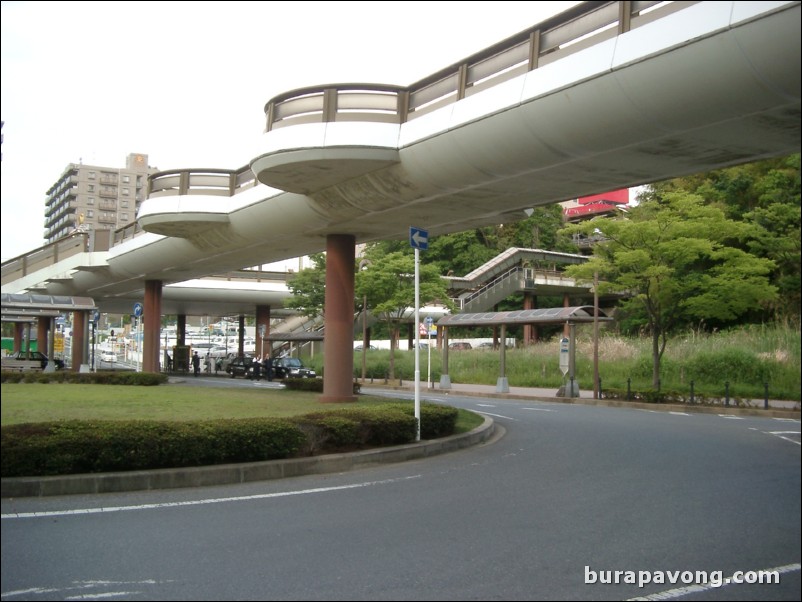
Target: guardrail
{"x": 45, "y": 256}
{"x": 567, "y": 33}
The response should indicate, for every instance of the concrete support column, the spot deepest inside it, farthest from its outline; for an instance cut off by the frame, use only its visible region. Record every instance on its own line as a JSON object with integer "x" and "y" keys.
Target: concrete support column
{"x": 263, "y": 347}
{"x": 181, "y": 330}
{"x": 566, "y": 303}
{"x": 241, "y": 336}
{"x": 530, "y": 330}
{"x": 338, "y": 343}
{"x": 19, "y": 331}
{"x": 43, "y": 338}
{"x": 80, "y": 323}
{"x": 445, "y": 379}
{"x": 151, "y": 329}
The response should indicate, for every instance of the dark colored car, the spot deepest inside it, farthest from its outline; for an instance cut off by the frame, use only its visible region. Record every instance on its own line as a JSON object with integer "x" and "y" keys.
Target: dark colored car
{"x": 291, "y": 367}
{"x": 460, "y": 346}
{"x": 240, "y": 366}
{"x": 37, "y": 355}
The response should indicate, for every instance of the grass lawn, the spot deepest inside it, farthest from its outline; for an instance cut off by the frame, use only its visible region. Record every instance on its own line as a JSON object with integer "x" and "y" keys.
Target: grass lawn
{"x": 28, "y": 402}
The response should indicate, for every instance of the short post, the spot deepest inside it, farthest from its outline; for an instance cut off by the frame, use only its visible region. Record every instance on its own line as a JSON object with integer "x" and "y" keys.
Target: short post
{"x": 727, "y": 393}
{"x": 600, "y": 389}
{"x": 766, "y": 396}
{"x": 692, "y": 392}
{"x": 629, "y": 388}
{"x": 572, "y": 386}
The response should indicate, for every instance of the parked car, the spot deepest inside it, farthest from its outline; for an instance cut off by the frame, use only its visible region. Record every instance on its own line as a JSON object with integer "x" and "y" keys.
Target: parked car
{"x": 359, "y": 348}
{"x": 240, "y": 366}
{"x": 108, "y": 356}
{"x": 459, "y": 346}
{"x": 291, "y": 367}
{"x": 36, "y": 355}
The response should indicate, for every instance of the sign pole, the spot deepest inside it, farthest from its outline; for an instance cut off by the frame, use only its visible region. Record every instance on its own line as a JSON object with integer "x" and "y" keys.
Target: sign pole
{"x": 417, "y": 341}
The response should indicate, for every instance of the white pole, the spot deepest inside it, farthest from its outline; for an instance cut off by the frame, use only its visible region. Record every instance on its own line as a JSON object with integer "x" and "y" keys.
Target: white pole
{"x": 417, "y": 342}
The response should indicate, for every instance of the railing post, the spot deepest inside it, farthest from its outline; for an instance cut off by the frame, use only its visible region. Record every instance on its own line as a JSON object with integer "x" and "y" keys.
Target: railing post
{"x": 727, "y": 393}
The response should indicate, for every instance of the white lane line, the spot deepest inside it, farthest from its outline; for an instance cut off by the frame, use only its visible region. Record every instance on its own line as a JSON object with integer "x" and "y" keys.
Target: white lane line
{"x": 497, "y": 416}
{"x": 222, "y": 500}
{"x": 539, "y": 409}
{"x": 731, "y": 417}
{"x": 679, "y": 413}
{"x": 486, "y": 405}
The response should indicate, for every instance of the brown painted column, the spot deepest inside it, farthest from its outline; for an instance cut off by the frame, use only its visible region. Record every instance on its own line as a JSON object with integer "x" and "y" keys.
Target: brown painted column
{"x": 152, "y": 325}
{"x": 241, "y": 336}
{"x": 79, "y": 324}
{"x": 42, "y": 336}
{"x": 181, "y": 330}
{"x": 19, "y": 329}
{"x": 338, "y": 342}
{"x": 262, "y": 320}
{"x": 530, "y": 330}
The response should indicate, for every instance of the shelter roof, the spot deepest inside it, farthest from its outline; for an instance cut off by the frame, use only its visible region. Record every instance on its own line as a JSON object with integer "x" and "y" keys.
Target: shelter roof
{"x": 553, "y": 315}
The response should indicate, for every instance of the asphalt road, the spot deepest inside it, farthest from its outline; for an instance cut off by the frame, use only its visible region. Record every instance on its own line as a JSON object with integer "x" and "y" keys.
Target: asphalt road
{"x": 549, "y": 510}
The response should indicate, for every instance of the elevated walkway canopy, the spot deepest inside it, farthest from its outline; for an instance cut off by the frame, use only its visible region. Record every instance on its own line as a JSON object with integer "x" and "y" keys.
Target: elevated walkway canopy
{"x": 28, "y": 307}
{"x": 554, "y": 315}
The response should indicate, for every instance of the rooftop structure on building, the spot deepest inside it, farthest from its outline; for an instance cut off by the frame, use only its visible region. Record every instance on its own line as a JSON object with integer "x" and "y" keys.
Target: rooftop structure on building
{"x": 92, "y": 197}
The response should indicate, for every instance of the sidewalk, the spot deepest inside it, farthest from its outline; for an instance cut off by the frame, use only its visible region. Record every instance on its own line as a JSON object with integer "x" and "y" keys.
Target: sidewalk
{"x": 755, "y": 407}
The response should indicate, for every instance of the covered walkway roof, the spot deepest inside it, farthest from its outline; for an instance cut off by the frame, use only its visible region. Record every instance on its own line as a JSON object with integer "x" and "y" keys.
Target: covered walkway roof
{"x": 27, "y": 307}
{"x": 554, "y": 315}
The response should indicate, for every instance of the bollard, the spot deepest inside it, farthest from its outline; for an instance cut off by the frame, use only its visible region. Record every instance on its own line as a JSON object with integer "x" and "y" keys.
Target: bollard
{"x": 572, "y": 386}
{"x": 766, "y": 398}
{"x": 400, "y": 382}
{"x": 600, "y": 389}
{"x": 692, "y": 392}
{"x": 629, "y": 383}
{"x": 727, "y": 393}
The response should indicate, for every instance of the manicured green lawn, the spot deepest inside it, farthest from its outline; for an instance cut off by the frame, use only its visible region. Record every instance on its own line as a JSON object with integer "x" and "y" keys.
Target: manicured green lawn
{"x": 27, "y": 402}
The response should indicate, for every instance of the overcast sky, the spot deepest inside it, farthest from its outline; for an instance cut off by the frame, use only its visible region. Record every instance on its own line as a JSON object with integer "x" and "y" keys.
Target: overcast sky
{"x": 186, "y": 82}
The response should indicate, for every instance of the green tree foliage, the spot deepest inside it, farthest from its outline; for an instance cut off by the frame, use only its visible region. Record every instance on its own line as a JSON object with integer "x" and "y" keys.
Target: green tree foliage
{"x": 308, "y": 288}
{"x": 678, "y": 260}
{"x": 388, "y": 283}
{"x": 765, "y": 194}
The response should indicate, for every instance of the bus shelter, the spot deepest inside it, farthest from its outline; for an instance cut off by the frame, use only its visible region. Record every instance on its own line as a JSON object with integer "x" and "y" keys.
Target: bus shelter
{"x": 502, "y": 319}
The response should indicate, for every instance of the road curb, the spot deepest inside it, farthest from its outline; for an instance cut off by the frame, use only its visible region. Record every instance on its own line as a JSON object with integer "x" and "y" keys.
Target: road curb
{"x": 228, "y": 474}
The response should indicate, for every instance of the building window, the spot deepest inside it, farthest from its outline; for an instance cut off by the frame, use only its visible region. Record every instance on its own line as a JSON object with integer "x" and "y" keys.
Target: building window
{"x": 126, "y": 179}
{"x": 91, "y": 188}
{"x": 90, "y": 200}
{"x": 91, "y": 175}
{"x": 90, "y": 213}
{"x": 125, "y": 191}
{"x": 123, "y": 217}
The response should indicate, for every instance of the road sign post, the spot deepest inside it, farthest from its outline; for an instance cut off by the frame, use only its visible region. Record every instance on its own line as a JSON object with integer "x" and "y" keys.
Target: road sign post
{"x": 418, "y": 240}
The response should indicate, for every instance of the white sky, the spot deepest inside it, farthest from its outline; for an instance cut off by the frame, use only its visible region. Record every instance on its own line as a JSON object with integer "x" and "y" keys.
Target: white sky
{"x": 186, "y": 82}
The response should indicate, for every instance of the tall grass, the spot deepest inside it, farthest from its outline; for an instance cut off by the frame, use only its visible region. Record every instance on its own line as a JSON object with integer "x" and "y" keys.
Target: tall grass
{"x": 740, "y": 362}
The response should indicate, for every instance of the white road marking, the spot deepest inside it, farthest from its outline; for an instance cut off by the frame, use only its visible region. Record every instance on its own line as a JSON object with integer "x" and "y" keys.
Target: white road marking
{"x": 243, "y": 498}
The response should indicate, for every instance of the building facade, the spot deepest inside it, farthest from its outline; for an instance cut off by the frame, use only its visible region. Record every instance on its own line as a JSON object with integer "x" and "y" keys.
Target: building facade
{"x": 91, "y": 197}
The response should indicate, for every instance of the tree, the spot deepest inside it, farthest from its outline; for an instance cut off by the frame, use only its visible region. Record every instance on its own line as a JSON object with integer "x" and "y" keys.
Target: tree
{"x": 308, "y": 288}
{"x": 677, "y": 260}
{"x": 388, "y": 283}
{"x": 765, "y": 194}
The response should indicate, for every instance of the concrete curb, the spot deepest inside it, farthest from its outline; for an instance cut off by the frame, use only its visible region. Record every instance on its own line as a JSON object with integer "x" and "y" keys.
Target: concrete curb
{"x": 612, "y": 403}
{"x": 227, "y": 474}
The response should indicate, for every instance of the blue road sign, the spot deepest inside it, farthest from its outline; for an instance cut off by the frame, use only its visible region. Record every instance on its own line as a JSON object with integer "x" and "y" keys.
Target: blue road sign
{"x": 137, "y": 309}
{"x": 418, "y": 239}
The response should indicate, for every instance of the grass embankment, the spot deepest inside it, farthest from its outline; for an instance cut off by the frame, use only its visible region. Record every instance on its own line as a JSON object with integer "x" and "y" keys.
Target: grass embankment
{"x": 741, "y": 362}
{"x": 31, "y": 402}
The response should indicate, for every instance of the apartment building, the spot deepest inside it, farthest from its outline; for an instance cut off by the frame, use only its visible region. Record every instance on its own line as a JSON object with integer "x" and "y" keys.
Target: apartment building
{"x": 91, "y": 197}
